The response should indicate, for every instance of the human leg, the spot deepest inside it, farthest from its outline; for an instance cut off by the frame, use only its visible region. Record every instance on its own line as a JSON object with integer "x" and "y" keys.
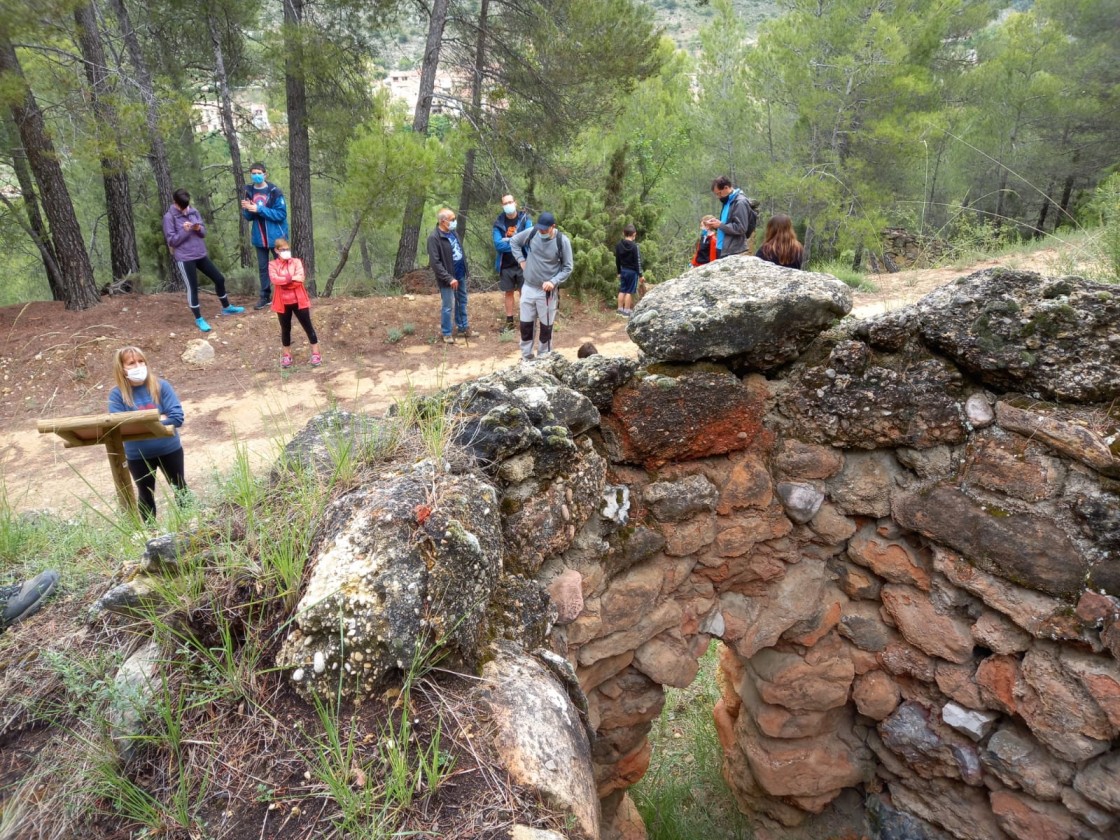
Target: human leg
{"x": 144, "y": 477}
{"x": 462, "y": 319}
{"x": 189, "y": 272}
{"x": 447, "y": 301}
{"x": 529, "y": 316}
{"x": 207, "y": 267}
{"x": 285, "y": 319}
{"x": 262, "y": 273}
{"x": 510, "y": 281}
{"x": 173, "y": 467}
{"x": 547, "y": 314}
{"x": 304, "y": 318}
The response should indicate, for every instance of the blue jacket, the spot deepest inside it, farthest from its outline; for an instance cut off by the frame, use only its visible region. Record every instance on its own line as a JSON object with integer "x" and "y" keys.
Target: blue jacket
{"x": 169, "y": 406}
{"x": 503, "y": 230}
{"x": 270, "y": 222}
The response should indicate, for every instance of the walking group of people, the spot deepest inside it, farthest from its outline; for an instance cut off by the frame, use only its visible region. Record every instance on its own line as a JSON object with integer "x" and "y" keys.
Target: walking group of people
{"x": 281, "y": 274}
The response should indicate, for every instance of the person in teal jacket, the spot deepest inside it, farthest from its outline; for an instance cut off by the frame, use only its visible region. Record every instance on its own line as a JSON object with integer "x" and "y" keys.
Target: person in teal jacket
{"x": 509, "y": 223}
{"x": 263, "y": 204}
{"x": 137, "y": 388}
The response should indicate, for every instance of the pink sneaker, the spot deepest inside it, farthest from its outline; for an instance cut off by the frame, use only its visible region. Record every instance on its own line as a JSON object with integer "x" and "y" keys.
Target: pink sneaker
{"x": 316, "y": 360}
{"x": 286, "y": 360}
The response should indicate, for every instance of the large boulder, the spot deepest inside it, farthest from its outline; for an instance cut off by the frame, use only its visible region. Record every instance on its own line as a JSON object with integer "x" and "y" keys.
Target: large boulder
{"x": 756, "y": 314}
{"x": 407, "y": 561}
{"x": 1057, "y": 338}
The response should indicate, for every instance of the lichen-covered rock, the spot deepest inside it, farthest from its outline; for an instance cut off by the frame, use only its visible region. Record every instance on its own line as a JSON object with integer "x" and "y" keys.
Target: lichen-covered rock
{"x": 329, "y": 438}
{"x": 857, "y": 398}
{"x": 755, "y": 314}
{"x": 674, "y": 501}
{"x": 598, "y": 377}
{"x": 1018, "y": 331}
{"x": 679, "y": 413}
{"x": 407, "y": 561}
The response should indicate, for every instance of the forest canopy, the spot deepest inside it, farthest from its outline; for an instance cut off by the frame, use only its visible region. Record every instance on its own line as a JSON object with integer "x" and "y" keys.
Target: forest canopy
{"x": 960, "y": 119}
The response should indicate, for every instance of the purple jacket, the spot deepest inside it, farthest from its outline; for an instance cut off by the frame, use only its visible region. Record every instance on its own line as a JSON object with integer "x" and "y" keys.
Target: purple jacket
{"x": 184, "y": 244}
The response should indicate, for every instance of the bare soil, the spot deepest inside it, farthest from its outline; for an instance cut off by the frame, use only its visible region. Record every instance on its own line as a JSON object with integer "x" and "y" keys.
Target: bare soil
{"x": 55, "y": 363}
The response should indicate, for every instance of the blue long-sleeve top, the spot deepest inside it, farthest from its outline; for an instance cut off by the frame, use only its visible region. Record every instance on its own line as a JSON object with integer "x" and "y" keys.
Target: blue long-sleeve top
{"x": 169, "y": 408}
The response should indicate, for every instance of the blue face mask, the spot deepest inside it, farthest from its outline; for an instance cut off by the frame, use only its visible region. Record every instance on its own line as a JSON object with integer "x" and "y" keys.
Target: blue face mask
{"x": 257, "y": 178}
{"x": 454, "y": 223}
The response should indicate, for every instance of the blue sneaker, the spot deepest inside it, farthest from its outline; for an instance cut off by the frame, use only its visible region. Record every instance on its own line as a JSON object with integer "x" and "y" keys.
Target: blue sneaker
{"x": 202, "y": 325}
{"x": 232, "y": 310}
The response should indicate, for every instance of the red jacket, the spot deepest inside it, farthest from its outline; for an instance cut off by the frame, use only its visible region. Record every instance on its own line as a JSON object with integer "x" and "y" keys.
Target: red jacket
{"x": 287, "y": 284}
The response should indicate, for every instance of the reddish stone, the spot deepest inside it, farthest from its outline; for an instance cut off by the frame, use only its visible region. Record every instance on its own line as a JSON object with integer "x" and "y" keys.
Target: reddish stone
{"x": 959, "y": 683}
{"x": 997, "y": 677}
{"x": 1092, "y": 607}
{"x": 876, "y": 695}
{"x": 566, "y": 593}
{"x": 899, "y": 658}
{"x": 624, "y": 773}
{"x": 1100, "y": 676}
{"x": 1024, "y": 818}
{"x": 894, "y": 560}
{"x": 937, "y": 633}
{"x": 684, "y": 538}
{"x": 748, "y": 485}
{"x": 1011, "y": 464}
{"x": 807, "y": 460}
{"x": 808, "y": 633}
{"x": 999, "y": 634}
{"x": 685, "y": 412}
{"x": 725, "y": 724}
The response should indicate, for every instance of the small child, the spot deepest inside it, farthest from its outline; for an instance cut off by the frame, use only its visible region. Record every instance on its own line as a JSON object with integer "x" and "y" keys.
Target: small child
{"x": 628, "y": 264}
{"x": 706, "y": 245}
{"x": 289, "y": 297}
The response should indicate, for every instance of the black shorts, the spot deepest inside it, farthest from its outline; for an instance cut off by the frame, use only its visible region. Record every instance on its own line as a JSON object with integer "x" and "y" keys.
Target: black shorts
{"x": 510, "y": 279}
{"x": 628, "y": 282}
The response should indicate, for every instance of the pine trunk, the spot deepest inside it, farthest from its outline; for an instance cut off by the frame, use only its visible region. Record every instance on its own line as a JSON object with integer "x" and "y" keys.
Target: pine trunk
{"x": 78, "y": 288}
{"x": 230, "y": 131}
{"x": 35, "y": 225}
{"x": 414, "y": 209}
{"x": 157, "y": 151}
{"x": 299, "y": 144}
{"x": 114, "y": 172}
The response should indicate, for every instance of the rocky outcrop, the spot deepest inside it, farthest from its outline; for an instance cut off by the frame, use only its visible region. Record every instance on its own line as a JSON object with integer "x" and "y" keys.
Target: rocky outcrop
{"x": 913, "y": 573}
{"x": 752, "y": 313}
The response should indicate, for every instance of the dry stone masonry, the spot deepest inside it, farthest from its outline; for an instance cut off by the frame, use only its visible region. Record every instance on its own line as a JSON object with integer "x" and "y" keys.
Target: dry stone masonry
{"x": 905, "y": 533}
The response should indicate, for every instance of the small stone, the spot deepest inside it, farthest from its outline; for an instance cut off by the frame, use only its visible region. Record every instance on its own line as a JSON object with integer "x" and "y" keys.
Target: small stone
{"x": 979, "y": 411}
{"x": 972, "y": 723}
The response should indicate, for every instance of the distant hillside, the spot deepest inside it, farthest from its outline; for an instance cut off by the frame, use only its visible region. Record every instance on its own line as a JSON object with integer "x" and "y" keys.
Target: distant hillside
{"x": 683, "y": 19}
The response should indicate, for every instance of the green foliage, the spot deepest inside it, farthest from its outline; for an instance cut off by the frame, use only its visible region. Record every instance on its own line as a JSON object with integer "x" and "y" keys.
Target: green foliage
{"x": 1106, "y": 208}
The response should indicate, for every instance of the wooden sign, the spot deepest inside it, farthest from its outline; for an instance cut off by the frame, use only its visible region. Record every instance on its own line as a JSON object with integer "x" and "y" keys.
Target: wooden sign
{"x": 112, "y": 431}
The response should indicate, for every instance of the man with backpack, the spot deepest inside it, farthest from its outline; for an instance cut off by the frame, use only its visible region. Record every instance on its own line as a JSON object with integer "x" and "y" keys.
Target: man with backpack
{"x": 510, "y": 222}
{"x": 737, "y": 219}
{"x": 545, "y": 256}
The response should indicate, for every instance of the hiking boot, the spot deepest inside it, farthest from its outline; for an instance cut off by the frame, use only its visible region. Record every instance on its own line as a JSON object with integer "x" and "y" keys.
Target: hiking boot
{"x": 286, "y": 360}
{"x": 263, "y": 303}
{"x": 232, "y": 310}
{"x": 449, "y": 339}
{"x": 468, "y": 333}
{"x": 22, "y": 601}
{"x": 316, "y": 360}
{"x": 509, "y": 325}
{"x": 202, "y": 325}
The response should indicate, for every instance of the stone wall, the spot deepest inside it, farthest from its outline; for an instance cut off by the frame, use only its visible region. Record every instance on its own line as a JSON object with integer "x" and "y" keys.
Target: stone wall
{"x": 905, "y": 532}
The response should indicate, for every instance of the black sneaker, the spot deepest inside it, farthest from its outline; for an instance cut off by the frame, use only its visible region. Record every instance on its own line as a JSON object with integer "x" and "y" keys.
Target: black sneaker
{"x": 22, "y": 601}
{"x": 262, "y": 304}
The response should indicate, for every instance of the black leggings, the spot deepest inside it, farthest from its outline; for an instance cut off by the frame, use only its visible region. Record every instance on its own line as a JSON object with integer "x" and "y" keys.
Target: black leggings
{"x": 144, "y": 474}
{"x": 189, "y": 270}
{"x": 304, "y": 318}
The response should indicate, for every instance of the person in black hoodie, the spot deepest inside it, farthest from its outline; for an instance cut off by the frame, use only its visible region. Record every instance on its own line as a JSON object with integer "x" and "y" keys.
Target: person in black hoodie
{"x": 628, "y": 265}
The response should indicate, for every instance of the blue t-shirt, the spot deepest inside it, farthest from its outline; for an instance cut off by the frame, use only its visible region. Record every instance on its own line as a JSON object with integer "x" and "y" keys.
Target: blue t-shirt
{"x": 169, "y": 406}
{"x": 457, "y": 257}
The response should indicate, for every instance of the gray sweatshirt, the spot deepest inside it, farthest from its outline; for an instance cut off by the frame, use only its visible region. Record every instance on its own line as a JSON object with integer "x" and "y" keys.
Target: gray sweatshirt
{"x": 548, "y": 260}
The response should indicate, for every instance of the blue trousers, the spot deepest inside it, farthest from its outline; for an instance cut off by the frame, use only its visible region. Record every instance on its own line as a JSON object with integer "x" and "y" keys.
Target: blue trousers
{"x": 262, "y": 270}
{"x": 453, "y": 299}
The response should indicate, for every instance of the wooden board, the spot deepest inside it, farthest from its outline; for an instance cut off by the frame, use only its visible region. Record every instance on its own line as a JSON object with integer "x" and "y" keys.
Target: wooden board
{"x": 93, "y": 429}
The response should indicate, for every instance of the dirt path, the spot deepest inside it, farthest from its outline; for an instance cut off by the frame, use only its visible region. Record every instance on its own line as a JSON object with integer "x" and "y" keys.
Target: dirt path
{"x": 55, "y": 363}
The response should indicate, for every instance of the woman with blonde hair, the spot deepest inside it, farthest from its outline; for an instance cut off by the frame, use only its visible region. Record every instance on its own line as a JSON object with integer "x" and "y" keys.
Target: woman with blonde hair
{"x": 781, "y": 246}
{"x": 137, "y": 388}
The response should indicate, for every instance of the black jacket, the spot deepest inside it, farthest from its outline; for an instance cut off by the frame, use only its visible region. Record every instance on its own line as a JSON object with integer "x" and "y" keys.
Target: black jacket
{"x": 440, "y": 257}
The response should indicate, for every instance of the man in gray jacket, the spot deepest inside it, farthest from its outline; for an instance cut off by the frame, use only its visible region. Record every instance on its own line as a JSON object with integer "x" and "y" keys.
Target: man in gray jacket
{"x": 545, "y": 256}
{"x": 737, "y": 219}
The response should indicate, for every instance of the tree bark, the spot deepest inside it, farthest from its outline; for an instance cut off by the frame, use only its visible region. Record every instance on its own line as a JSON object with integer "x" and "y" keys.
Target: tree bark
{"x": 475, "y": 117}
{"x": 78, "y": 288}
{"x": 299, "y": 144}
{"x": 157, "y": 151}
{"x": 114, "y": 171}
{"x": 36, "y": 228}
{"x": 414, "y": 209}
{"x": 230, "y": 131}
{"x": 344, "y": 253}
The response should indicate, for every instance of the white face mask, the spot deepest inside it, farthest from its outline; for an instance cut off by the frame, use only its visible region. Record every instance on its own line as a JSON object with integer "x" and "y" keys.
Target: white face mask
{"x": 285, "y": 255}
{"x": 137, "y": 375}
{"x": 509, "y": 209}
{"x": 454, "y": 223}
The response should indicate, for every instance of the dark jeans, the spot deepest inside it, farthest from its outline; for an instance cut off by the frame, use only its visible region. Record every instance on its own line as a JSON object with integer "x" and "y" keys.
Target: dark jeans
{"x": 263, "y": 255}
{"x": 189, "y": 270}
{"x": 304, "y": 318}
{"x": 144, "y": 474}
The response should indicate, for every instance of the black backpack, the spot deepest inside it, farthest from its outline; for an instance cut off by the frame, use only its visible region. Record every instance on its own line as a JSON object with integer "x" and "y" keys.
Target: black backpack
{"x": 529, "y": 240}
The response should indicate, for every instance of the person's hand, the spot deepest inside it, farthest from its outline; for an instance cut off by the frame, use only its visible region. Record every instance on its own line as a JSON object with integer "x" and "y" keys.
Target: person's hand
{"x": 522, "y": 264}
{"x": 454, "y": 284}
{"x": 187, "y": 226}
{"x": 548, "y": 287}
{"x": 246, "y": 204}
